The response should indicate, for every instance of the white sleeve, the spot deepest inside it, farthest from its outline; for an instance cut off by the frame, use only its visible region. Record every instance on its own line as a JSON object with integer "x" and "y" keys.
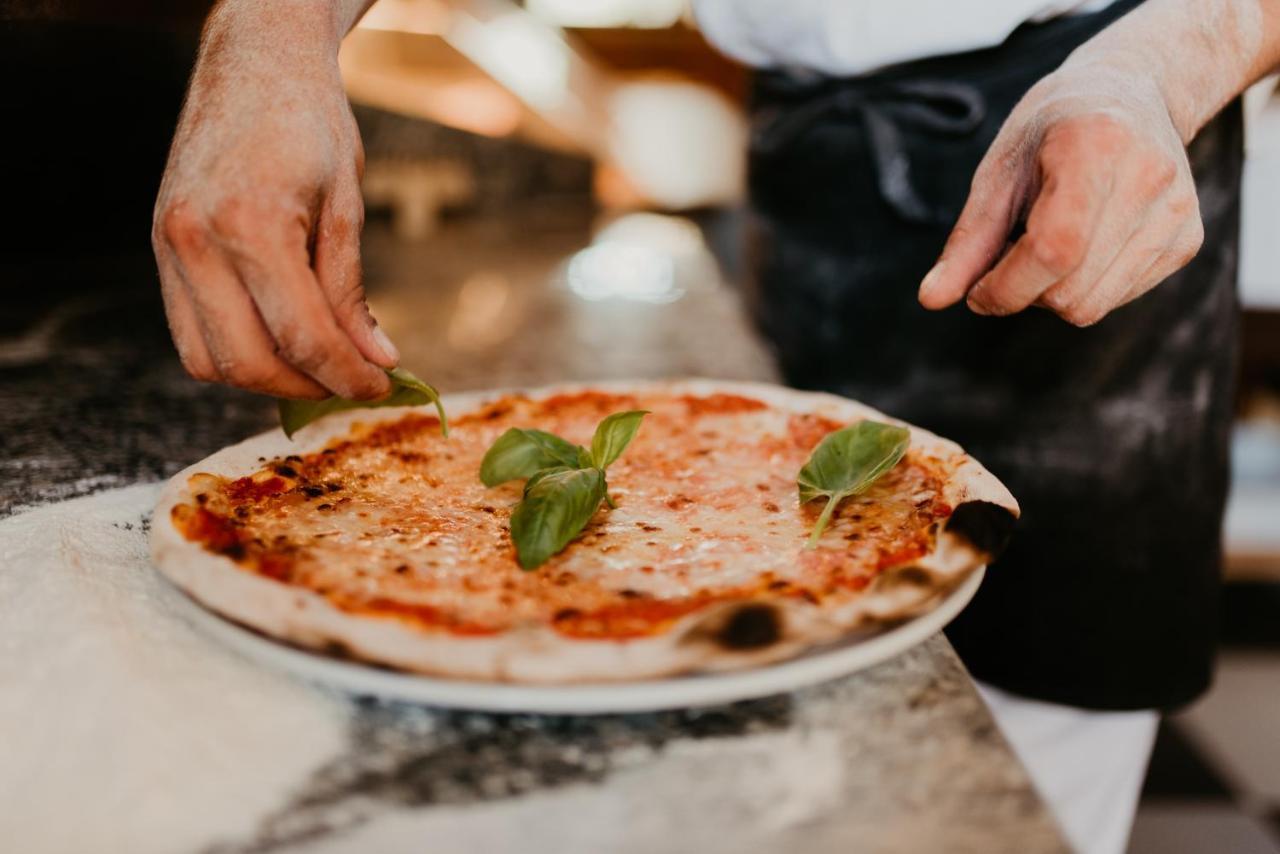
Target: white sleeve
{"x": 848, "y": 37}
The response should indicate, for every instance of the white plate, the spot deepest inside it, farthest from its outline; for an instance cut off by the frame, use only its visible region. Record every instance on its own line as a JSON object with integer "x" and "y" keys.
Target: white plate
{"x": 702, "y": 689}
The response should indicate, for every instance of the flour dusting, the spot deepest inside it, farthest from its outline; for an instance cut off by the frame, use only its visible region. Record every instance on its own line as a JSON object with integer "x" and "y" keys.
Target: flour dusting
{"x": 121, "y": 727}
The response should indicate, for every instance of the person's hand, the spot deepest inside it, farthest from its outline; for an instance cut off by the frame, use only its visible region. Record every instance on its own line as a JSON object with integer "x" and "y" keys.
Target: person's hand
{"x": 257, "y": 225}
{"x": 1092, "y": 160}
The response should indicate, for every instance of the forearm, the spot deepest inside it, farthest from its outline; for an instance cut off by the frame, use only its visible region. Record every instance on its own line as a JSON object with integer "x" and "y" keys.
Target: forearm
{"x": 247, "y": 45}
{"x": 283, "y": 27}
{"x": 1199, "y": 53}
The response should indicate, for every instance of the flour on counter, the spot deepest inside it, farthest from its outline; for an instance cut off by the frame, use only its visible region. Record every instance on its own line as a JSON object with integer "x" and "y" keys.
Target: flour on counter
{"x": 121, "y": 727}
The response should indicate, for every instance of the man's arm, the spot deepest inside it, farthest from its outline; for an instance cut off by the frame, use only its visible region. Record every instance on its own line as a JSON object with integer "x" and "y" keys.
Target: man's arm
{"x": 1093, "y": 160}
{"x": 257, "y": 224}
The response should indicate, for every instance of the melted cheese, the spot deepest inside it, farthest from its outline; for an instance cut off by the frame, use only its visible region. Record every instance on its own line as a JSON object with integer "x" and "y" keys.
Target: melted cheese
{"x": 394, "y": 522}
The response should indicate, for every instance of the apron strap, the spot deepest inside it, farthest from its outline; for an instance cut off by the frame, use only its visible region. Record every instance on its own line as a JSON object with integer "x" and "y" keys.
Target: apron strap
{"x": 944, "y": 107}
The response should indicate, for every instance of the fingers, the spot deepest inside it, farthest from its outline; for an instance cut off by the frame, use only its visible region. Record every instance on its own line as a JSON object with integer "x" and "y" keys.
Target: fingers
{"x": 1084, "y": 302}
{"x": 978, "y": 237}
{"x": 1114, "y": 215}
{"x": 229, "y": 327}
{"x": 1172, "y": 258}
{"x": 1147, "y": 260}
{"x": 184, "y": 325}
{"x": 1137, "y": 268}
{"x": 1159, "y": 215}
{"x": 273, "y": 263}
{"x": 1062, "y": 234}
{"x": 337, "y": 266}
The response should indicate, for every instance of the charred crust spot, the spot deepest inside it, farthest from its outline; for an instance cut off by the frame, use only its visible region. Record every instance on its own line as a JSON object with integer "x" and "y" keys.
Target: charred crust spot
{"x": 771, "y": 507}
{"x": 402, "y": 569}
{"x": 567, "y": 614}
{"x": 986, "y": 526}
{"x": 779, "y": 584}
{"x": 202, "y": 498}
{"x": 293, "y": 458}
{"x": 333, "y": 486}
{"x": 337, "y": 649}
{"x": 751, "y": 627}
{"x": 235, "y": 551}
{"x": 329, "y": 452}
{"x": 325, "y": 506}
{"x": 313, "y": 491}
{"x": 630, "y": 594}
{"x": 241, "y": 512}
{"x": 913, "y": 576}
{"x": 496, "y": 411}
{"x": 286, "y": 471}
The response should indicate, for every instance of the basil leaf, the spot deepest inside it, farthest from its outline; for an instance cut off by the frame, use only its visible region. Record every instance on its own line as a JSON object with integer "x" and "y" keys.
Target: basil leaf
{"x": 560, "y": 451}
{"x": 539, "y": 475}
{"x": 846, "y": 462}
{"x": 520, "y": 453}
{"x": 613, "y": 435}
{"x": 555, "y": 509}
{"x": 406, "y": 390}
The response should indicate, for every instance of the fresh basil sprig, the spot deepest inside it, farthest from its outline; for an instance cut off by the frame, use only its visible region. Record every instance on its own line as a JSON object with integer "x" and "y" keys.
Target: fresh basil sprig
{"x": 406, "y": 390}
{"x": 565, "y": 482}
{"x": 846, "y": 462}
{"x": 557, "y": 505}
{"x": 521, "y": 453}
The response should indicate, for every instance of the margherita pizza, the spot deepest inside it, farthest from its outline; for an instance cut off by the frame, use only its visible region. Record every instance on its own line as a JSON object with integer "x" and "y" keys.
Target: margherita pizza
{"x": 370, "y": 535}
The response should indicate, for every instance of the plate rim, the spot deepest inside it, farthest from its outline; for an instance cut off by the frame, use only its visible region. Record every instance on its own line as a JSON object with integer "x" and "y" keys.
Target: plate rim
{"x": 695, "y": 690}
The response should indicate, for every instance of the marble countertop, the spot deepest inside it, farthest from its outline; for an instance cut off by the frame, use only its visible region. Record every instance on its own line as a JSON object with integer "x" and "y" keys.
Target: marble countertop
{"x": 902, "y": 757}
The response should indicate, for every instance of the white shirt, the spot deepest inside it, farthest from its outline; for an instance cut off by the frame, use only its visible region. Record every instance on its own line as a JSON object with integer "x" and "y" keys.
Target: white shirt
{"x": 849, "y": 37}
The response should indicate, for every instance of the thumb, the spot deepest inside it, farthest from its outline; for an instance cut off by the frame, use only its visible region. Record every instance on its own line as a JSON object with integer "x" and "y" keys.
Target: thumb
{"x": 976, "y": 240}
{"x": 337, "y": 265}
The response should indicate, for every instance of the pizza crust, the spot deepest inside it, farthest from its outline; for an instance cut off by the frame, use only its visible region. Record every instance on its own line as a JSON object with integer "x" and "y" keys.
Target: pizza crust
{"x": 728, "y": 635}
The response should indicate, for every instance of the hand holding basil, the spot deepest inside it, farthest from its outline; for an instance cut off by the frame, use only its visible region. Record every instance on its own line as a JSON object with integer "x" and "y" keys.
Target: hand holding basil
{"x": 846, "y": 462}
{"x": 406, "y": 390}
{"x": 565, "y": 482}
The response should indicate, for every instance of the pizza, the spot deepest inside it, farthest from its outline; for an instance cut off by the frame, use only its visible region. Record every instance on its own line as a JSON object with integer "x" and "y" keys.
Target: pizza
{"x": 370, "y": 536}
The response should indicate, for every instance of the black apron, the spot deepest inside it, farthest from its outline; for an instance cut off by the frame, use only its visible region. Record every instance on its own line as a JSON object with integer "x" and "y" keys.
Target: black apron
{"x": 1114, "y": 438}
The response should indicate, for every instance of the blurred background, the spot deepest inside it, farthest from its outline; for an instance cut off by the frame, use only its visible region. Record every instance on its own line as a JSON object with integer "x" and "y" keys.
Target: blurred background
{"x": 555, "y": 185}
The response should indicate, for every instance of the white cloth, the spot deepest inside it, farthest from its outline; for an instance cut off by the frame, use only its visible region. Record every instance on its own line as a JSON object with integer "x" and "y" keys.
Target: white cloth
{"x": 1088, "y": 766}
{"x": 848, "y": 37}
